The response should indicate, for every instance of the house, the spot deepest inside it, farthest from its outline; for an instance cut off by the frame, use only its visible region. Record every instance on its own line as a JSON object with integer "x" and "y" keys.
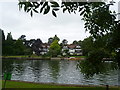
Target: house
{"x": 64, "y": 50}
{"x": 72, "y": 49}
{"x": 45, "y": 48}
{"x": 67, "y": 49}
{"x": 78, "y": 50}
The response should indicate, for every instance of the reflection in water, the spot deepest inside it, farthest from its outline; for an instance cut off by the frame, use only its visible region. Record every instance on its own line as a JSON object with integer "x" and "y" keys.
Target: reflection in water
{"x": 63, "y": 71}
{"x": 54, "y": 67}
{"x": 89, "y": 68}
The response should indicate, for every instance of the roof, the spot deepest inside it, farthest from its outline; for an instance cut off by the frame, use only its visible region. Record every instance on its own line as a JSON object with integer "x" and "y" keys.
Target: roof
{"x": 72, "y": 46}
{"x": 45, "y": 45}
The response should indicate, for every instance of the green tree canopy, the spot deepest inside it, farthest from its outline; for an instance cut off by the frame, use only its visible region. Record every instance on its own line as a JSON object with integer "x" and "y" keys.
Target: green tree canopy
{"x": 99, "y": 20}
{"x": 9, "y": 36}
{"x": 55, "y": 49}
{"x": 3, "y": 35}
{"x": 50, "y": 40}
{"x": 56, "y": 38}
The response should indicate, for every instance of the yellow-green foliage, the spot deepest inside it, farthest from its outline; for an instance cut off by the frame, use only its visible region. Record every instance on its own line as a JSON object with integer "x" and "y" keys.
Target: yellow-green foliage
{"x": 54, "y": 49}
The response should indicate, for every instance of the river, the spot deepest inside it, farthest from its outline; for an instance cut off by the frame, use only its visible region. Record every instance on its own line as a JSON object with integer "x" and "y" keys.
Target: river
{"x": 61, "y": 72}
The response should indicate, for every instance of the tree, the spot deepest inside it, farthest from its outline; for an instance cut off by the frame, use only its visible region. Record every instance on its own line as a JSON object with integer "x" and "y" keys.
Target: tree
{"x": 50, "y": 40}
{"x": 99, "y": 19}
{"x": 19, "y": 47}
{"x": 75, "y": 42}
{"x": 9, "y": 37}
{"x": 37, "y": 46}
{"x": 3, "y": 41}
{"x": 22, "y": 37}
{"x": 3, "y": 35}
{"x": 8, "y": 48}
{"x": 55, "y": 49}
{"x": 64, "y": 42}
{"x": 56, "y": 38}
{"x": 97, "y": 15}
{"x": 87, "y": 45}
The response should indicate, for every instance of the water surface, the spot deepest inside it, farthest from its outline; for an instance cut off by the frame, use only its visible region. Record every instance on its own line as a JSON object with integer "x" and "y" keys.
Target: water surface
{"x": 60, "y": 71}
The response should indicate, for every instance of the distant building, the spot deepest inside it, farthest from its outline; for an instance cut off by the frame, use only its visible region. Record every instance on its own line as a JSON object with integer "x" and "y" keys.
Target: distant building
{"x": 72, "y": 50}
{"x": 45, "y": 48}
{"x": 67, "y": 49}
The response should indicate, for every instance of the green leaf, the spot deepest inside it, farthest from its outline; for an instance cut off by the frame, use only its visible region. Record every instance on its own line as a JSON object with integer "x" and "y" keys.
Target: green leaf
{"x": 28, "y": 9}
{"x": 41, "y": 10}
{"x": 64, "y": 9}
{"x": 41, "y": 3}
{"x": 47, "y": 10}
{"x": 46, "y": 3}
{"x": 82, "y": 13}
{"x": 35, "y": 10}
{"x": 54, "y": 14}
{"x": 31, "y": 13}
{"x": 25, "y": 8}
{"x": 80, "y": 9}
{"x": 54, "y": 4}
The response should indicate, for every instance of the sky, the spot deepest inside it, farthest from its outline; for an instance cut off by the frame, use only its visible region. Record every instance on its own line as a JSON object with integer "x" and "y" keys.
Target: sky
{"x": 65, "y": 26}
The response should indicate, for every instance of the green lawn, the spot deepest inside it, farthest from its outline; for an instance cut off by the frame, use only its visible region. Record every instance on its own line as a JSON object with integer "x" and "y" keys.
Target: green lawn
{"x": 15, "y": 84}
{"x": 79, "y": 56}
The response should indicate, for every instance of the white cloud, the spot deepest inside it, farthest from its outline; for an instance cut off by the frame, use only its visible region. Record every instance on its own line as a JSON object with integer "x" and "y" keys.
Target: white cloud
{"x": 66, "y": 26}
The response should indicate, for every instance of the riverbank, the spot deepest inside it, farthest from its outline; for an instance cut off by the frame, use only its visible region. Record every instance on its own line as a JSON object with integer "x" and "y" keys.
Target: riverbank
{"x": 24, "y": 84}
{"x": 50, "y": 58}
{"x": 43, "y": 58}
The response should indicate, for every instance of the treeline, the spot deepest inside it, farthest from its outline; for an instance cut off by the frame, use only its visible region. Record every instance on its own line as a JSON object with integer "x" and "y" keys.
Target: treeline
{"x": 21, "y": 46}
{"x": 94, "y": 48}
{"x": 11, "y": 46}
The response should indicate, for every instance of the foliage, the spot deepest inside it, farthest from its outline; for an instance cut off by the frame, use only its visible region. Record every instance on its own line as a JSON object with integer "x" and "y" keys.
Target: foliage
{"x": 87, "y": 45}
{"x": 19, "y": 48}
{"x": 36, "y": 46}
{"x": 9, "y": 37}
{"x": 22, "y": 37}
{"x": 56, "y": 38}
{"x": 64, "y": 42}
{"x": 3, "y": 35}
{"x": 89, "y": 68}
{"x": 14, "y": 47}
{"x": 55, "y": 49}
{"x": 8, "y": 45}
{"x": 97, "y": 16}
{"x": 50, "y": 40}
{"x": 99, "y": 19}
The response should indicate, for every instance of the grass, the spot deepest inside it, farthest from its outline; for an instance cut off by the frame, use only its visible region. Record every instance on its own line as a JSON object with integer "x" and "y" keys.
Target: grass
{"x": 25, "y": 56}
{"x": 79, "y": 56}
{"x": 16, "y": 84}
{"x": 22, "y": 56}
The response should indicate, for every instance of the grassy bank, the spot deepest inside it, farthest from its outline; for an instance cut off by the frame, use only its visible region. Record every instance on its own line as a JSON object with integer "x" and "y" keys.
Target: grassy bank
{"x": 79, "y": 56}
{"x": 26, "y": 57}
{"x": 35, "y": 57}
{"x": 16, "y": 84}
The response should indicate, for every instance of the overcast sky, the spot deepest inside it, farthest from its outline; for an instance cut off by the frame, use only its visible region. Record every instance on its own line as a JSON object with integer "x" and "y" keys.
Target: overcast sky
{"x": 65, "y": 26}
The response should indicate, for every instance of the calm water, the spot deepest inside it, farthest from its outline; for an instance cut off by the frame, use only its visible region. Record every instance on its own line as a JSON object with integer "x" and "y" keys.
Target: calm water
{"x": 61, "y": 71}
